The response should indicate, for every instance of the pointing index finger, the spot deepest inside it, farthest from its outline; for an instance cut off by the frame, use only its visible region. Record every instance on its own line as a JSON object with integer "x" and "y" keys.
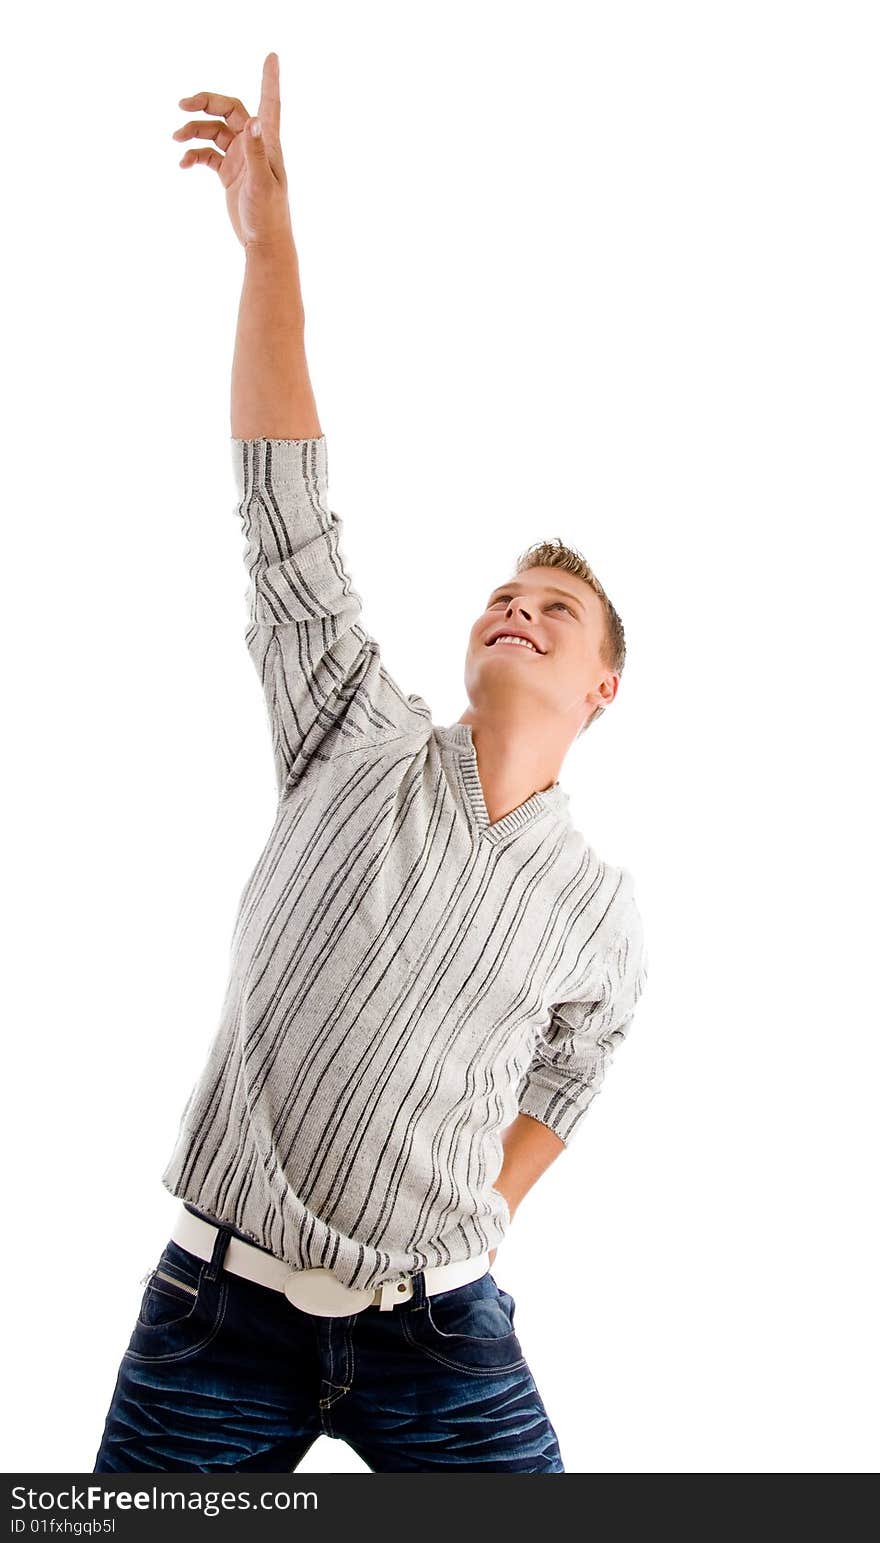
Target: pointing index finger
{"x": 270, "y": 96}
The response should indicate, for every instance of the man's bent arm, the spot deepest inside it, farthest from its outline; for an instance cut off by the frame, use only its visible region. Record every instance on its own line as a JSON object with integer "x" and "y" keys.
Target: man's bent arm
{"x": 529, "y": 1149}
{"x": 272, "y": 395}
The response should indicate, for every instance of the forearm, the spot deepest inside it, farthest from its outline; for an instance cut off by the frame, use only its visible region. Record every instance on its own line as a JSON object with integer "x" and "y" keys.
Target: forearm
{"x": 271, "y": 392}
{"x": 529, "y": 1149}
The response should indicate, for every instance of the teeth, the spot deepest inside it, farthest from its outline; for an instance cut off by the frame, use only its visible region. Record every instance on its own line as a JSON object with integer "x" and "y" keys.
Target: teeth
{"x": 522, "y": 642}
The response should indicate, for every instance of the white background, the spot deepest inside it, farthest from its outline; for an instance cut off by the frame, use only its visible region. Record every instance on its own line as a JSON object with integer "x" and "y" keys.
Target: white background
{"x": 607, "y": 272}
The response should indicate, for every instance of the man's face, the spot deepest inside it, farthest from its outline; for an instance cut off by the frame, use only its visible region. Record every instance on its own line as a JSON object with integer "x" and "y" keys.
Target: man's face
{"x": 565, "y": 620}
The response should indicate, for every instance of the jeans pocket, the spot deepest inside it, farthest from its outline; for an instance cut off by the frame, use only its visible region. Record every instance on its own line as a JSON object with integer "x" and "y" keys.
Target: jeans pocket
{"x": 469, "y": 1329}
{"x": 172, "y": 1291}
{"x": 180, "y": 1309}
{"x": 506, "y": 1301}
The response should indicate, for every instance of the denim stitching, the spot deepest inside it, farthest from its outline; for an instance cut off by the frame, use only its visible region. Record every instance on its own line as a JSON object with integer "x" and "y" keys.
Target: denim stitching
{"x": 181, "y": 1355}
{"x": 456, "y": 1366}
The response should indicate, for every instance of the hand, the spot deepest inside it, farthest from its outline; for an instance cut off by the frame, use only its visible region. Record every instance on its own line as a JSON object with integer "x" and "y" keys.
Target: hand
{"x": 492, "y": 1253}
{"x": 251, "y": 169}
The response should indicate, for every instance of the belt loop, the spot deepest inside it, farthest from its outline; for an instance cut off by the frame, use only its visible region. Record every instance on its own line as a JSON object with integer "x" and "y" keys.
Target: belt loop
{"x": 420, "y": 1295}
{"x": 215, "y": 1264}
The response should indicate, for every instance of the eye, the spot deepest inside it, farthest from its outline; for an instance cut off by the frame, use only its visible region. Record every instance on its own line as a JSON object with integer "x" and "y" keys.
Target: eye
{"x": 564, "y": 606}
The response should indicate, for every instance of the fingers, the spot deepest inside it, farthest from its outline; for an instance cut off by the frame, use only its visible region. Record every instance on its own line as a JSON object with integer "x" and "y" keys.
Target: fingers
{"x": 206, "y": 157}
{"x": 206, "y": 129}
{"x": 270, "y": 99}
{"x": 228, "y": 107}
{"x": 234, "y": 115}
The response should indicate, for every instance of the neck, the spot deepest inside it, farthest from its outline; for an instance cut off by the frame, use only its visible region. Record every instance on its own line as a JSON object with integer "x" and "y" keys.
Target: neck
{"x": 514, "y": 760}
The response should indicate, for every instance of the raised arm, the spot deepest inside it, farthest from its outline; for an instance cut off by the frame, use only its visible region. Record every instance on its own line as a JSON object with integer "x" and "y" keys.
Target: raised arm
{"x": 272, "y": 395}
{"x": 326, "y": 686}
{"x": 271, "y": 391}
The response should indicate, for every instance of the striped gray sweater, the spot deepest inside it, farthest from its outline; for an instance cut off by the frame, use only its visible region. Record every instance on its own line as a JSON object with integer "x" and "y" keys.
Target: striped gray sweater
{"x": 406, "y": 975}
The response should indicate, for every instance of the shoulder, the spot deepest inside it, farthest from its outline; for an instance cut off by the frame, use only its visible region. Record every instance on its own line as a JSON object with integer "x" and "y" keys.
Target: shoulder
{"x": 622, "y": 918}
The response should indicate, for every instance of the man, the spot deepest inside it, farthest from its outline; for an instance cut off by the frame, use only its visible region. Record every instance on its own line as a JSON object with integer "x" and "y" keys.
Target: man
{"x": 426, "y": 955}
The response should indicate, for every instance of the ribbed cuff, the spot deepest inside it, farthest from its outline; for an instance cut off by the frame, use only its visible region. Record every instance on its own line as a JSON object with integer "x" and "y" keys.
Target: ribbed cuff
{"x": 552, "y": 1107}
{"x": 291, "y": 473}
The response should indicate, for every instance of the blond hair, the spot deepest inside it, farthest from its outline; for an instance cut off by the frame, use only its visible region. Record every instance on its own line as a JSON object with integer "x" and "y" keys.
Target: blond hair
{"x": 612, "y": 648}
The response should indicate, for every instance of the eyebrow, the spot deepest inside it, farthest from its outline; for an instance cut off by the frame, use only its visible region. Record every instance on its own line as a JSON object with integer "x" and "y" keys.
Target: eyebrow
{"x": 553, "y": 589}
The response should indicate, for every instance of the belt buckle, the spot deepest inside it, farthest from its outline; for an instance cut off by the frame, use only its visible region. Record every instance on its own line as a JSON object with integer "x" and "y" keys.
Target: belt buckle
{"x": 393, "y": 1292}
{"x": 319, "y": 1291}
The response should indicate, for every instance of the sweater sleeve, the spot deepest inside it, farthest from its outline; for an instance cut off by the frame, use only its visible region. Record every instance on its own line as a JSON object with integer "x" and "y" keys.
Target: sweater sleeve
{"x": 574, "y": 1050}
{"x": 324, "y": 681}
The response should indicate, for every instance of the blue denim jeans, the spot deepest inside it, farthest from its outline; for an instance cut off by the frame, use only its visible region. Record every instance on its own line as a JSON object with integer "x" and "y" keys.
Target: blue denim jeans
{"x": 223, "y": 1373}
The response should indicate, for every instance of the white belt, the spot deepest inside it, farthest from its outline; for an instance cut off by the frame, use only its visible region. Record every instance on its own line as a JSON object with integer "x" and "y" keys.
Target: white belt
{"x": 317, "y": 1290}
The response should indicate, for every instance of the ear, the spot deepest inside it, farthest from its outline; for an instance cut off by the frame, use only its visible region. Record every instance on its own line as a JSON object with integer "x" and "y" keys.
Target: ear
{"x": 606, "y": 690}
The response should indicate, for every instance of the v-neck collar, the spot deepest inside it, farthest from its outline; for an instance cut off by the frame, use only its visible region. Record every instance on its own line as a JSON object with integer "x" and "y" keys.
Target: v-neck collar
{"x": 552, "y": 800}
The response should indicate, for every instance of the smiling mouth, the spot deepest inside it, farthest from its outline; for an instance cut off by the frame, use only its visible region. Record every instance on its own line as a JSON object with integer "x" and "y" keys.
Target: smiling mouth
{"x": 525, "y": 646}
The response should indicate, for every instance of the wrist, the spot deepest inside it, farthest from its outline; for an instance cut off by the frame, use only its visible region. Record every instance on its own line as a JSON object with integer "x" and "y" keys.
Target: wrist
{"x": 271, "y": 282}
{"x": 277, "y": 249}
